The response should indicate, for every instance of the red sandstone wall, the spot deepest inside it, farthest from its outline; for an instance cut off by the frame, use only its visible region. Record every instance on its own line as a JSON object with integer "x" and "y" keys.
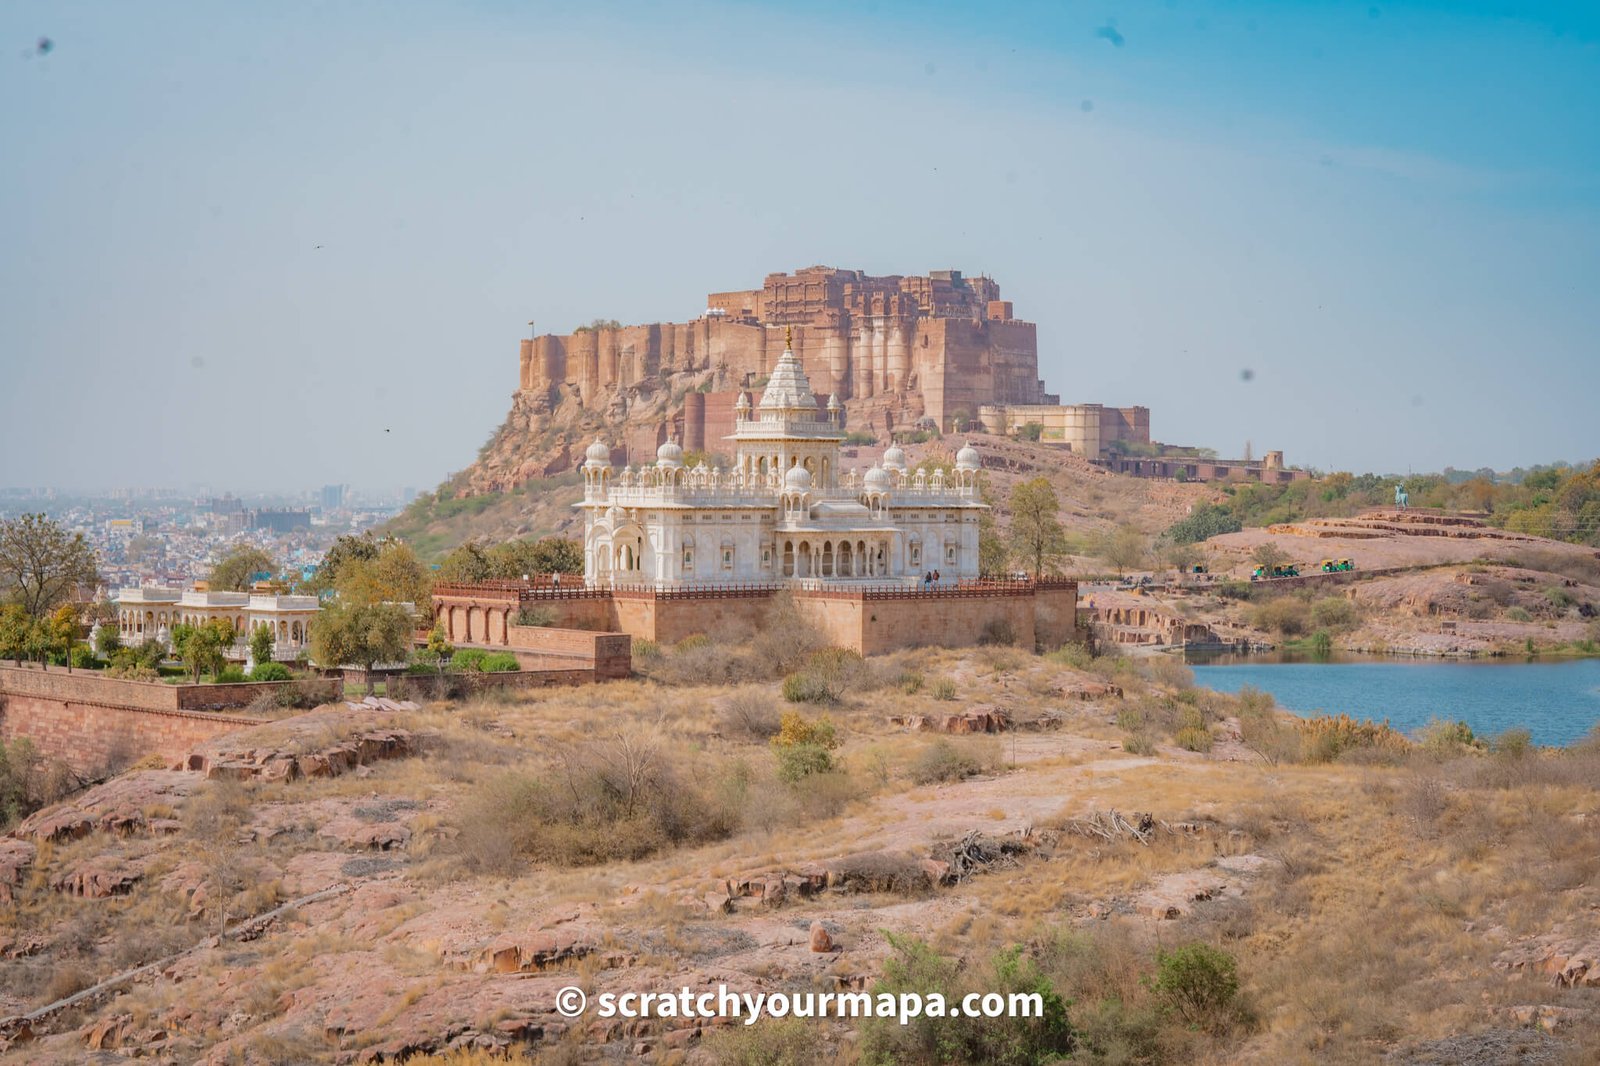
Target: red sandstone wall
{"x": 95, "y": 736}
{"x": 609, "y": 655}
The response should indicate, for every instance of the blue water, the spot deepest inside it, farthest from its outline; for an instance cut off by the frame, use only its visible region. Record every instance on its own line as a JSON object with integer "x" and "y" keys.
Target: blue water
{"x": 1557, "y": 701}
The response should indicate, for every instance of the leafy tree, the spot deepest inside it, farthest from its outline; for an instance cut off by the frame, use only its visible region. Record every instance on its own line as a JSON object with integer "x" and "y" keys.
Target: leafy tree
{"x": 360, "y": 634}
{"x": 201, "y": 647}
{"x": 234, "y": 572}
{"x": 548, "y": 555}
{"x": 1124, "y": 548}
{"x": 394, "y": 575}
{"x": 1030, "y": 431}
{"x": 108, "y": 641}
{"x": 1198, "y": 981}
{"x": 346, "y": 548}
{"x": 15, "y": 627}
{"x": 1182, "y": 557}
{"x": 1204, "y": 522}
{"x": 1037, "y": 539}
{"x": 61, "y": 634}
{"x": 1268, "y": 555}
{"x": 469, "y": 562}
{"x": 439, "y": 648}
{"x": 261, "y": 642}
{"x": 41, "y": 563}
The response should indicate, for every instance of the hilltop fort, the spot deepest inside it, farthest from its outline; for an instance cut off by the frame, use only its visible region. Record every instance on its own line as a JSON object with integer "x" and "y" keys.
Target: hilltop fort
{"x": 887, "y": 355}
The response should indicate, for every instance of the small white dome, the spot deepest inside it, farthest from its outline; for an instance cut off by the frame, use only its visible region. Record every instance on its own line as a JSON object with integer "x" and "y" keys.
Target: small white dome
{"x": 877, "y": 480}
{"x": 894, "y": 458}
{"x": 967, "y": 458}
{"x": 669, "y": 454}
{"x": 743, "y": 402}
{"x": 599, "y": 453}
{"x": 833, "y": 402}
{"x": 798, "y": 478}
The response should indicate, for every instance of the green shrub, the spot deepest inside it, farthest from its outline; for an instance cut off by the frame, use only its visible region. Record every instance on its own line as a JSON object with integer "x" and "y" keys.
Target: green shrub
{"x": 1193, "y": 738}
{"x": 270, "y": 671}
{"x": 1198, "y": 981}
{"x": 82, "y": 657}
{"x": 915, "y": 968}
{"x": 1558, "y": 597}
{"x": 943, "y": 689}
{"x": 803, "y": 747}
{"x": 646, "y": 649}
{"x": 1518, "y": 614}
{"x": 692, "y": 642}
{"x": 500, "y": 662}
{"x": 468, "y": 659}
{"x": 1321, "y": 644}
{"x": 910, "y": 682}
{"x": 230, "y": 675}
{"x": 1130, "y": 719}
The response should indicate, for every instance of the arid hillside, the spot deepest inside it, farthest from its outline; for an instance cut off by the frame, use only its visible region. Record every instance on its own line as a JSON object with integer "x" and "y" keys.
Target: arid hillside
{"x": 417, "y": 885}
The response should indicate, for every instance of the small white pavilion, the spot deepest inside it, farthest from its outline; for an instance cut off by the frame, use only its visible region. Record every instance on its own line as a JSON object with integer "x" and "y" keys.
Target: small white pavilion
{"x": 150, "y": 612}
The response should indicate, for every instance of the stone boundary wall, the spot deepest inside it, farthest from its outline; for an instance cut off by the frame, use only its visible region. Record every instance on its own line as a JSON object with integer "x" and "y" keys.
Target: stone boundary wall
{"x": 609, "y": 655}
{"x": 81, "y": 721}
{"x": 87, "y": 686}
{"x": 866, "y": 618}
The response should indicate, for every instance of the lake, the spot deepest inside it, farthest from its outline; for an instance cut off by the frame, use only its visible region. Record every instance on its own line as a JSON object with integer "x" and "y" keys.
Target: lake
{"x": 1557, "y": 700}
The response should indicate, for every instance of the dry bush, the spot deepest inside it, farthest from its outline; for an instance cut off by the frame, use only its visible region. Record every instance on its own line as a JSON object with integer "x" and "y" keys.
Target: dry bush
{"x": 786, "y": 638}
{"x": 1335, "y": 613}
{"x": 1167, "y": 670}
{"x": 786, "y": 1042}
{"x": 1287, "y": 616}
{"x": 749, "y": 713}
{"x": 945, "y": 760}
{"x": 1332, "y": 736}
{"x": 619, "y": 797}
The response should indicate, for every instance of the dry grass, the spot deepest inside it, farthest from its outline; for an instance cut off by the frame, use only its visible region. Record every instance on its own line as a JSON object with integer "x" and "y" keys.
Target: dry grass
{"x": 1393, "y": 884}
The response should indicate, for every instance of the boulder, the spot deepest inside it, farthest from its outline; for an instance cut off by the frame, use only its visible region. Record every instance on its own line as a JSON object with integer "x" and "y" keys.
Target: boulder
{"x": 820, "y": 940}
{"x": 96, "y": 880}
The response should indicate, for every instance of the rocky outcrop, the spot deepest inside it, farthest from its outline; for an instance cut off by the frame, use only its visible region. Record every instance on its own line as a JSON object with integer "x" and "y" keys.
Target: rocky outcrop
{"x": 1569, "y": 960}
{"x": 141, "y": 802}
{"x": 281, "y": 763}
{"x": 15, "y": 858}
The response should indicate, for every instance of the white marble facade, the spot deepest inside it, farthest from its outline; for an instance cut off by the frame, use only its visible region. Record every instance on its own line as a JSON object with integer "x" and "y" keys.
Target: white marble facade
{"x": 784, "y": 511}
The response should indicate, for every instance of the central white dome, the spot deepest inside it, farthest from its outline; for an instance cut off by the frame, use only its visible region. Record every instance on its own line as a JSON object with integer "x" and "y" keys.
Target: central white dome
{"x": 599, "y": 453}
{"x": 894, "y": 458}
{"x": 967, "y": 458}
{"x": 669, "y": 454}
{"x": 877, "y": 480}
{"x": 798, "y": 478}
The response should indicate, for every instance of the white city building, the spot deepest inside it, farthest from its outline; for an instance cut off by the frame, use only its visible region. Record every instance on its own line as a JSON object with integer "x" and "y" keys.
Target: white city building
{"x": 785, "y": 511}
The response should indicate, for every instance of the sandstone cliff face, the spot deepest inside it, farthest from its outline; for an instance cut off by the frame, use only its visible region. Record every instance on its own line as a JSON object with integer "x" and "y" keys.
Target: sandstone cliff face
{"x": 893, "y": 350}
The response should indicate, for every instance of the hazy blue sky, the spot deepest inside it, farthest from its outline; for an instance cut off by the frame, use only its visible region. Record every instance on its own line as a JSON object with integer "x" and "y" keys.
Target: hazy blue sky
{"x": 1390, "y": 214}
